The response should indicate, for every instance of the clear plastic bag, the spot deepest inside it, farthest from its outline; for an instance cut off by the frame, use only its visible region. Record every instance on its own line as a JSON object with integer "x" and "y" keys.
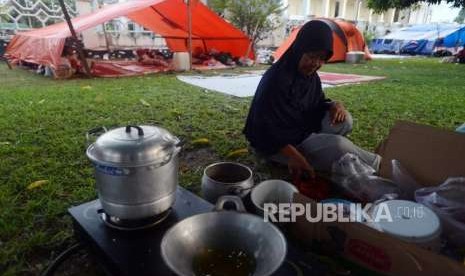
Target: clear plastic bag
{"x": 369, "y": 188}
{"x": 351, "y": 164}
{"x": 356, "y": 179}
{"x": 348, "y": 165}
{"x": 402, "y": 178}
{"x": 448, "y": 202}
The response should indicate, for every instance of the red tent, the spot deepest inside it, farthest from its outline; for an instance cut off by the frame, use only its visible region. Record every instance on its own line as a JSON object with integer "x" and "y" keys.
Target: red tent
{"x": 346, "y": 37}
{"x": 167, "y": 18}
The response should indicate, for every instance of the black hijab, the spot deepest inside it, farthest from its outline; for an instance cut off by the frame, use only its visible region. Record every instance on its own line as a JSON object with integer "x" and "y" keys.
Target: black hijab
{"x": 315, "y": 35}
{"x": 288, "y": 106}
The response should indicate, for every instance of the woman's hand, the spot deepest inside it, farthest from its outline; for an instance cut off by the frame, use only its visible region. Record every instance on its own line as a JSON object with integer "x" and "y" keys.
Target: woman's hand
{"x": 299, "y": 166}
{"x": 338, "y": 113}
{"x": 297, "y": 163}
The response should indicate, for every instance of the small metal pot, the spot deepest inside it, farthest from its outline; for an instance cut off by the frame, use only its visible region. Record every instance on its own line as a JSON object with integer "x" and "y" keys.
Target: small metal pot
{"x": 226, "y": 178}
{"x": 136, "y": 170}
{"x": 224, "y": 231}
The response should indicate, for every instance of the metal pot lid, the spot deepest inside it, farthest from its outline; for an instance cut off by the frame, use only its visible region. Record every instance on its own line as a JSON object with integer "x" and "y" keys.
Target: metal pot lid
{"x": 134, "y": 146}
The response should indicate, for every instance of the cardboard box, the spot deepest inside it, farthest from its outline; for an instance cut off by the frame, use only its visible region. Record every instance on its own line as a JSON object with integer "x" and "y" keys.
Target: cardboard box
{"x": 431, "y": 155}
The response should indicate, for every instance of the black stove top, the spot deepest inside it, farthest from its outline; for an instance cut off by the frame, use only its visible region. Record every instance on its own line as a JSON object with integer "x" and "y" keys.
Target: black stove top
{"x": 137, "y": 252}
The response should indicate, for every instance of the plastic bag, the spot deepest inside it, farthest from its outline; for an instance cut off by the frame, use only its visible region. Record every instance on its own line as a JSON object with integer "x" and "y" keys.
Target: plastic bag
{"x": 348, "y": 165}
{"x": 402, "y": 178}
{"x": 356, "y": 179}
{"x": 369, "y": 188}
{"x": 448, "y": 202}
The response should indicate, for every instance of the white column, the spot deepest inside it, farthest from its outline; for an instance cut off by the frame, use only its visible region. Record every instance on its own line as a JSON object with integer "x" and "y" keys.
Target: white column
{"x": 307, "y": 7}
{"x": 323, "y": 6}
{"x": 392, "y": 16}
{"x": 358, "y": 9}
{"x": 304, "y": 8}
{"x": 370, "y": 16}
{"x": 344, "y": 9}
{"x": 381, "y": 17}
{"x": 285, "y": 5}
{"x": 326, "y": 7}
{"x": 423, "y": 15}
{"x": 427, "y": 18}
{"x": 411, "y": 16}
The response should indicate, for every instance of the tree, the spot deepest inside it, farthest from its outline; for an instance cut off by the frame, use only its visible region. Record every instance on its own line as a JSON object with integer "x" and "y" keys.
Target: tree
{"x": 460, "y": 17}
{"x": 380, "y": 6}
{"x": 219, "y": 6}
{"x": 256, "y": 18}
{"x": 3, "y": 8}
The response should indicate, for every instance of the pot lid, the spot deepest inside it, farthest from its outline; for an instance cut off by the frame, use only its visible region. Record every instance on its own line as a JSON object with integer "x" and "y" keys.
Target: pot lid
{"x": 133, "y": 146}
{"x": 411, "y": 221}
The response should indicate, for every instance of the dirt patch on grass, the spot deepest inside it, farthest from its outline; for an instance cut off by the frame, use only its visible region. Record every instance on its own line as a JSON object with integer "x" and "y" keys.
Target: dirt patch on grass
{"x": 192, "y": 162}
{"x": 195, "y": 160}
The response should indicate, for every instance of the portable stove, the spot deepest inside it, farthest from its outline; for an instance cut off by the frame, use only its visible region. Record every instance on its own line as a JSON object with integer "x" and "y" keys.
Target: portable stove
{"x": 124, "y": 247}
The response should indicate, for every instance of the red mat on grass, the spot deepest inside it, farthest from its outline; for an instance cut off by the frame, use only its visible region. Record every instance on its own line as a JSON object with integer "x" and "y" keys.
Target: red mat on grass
{"x": 112, "y": 69}
{"x": 338, "y": 79}
{"x": 109, "y": 69}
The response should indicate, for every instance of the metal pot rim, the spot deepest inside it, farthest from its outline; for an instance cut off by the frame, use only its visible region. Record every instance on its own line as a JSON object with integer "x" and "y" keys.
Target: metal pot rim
{"x": 129, "y": 164}
{"x": 263, "y": 183}
{"x": 278, "y": 232}
{"x": 228, "y": 183}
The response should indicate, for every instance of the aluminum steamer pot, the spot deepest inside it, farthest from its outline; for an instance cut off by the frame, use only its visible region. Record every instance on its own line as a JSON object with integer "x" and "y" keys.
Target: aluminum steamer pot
{"x": 136, "y": 170}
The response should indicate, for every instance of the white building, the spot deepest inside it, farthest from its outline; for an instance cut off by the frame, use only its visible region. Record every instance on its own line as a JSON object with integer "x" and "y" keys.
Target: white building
{"x": 357, "y": 10}
{"x": 120, "y": 32}
{"x": 300, "y": 11}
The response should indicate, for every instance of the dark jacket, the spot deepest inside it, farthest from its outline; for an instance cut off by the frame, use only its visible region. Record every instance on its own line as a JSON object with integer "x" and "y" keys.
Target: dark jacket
{"x": 287, "y": 106}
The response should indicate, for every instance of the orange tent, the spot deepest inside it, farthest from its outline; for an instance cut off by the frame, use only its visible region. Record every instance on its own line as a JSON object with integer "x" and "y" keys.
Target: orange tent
{"x": 346, "y": 37}
{"x": 167, "y": 18}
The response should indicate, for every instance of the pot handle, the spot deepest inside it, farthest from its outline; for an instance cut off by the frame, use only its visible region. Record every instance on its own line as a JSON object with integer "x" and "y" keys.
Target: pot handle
{"x": 140, "y": 131}
{"x": 181, "y": 142}
{"x": 232, "y": 199}
{"x": 94, "y": 132}
{"x": 239, "y": 190}
{"x": 177, "y": 149}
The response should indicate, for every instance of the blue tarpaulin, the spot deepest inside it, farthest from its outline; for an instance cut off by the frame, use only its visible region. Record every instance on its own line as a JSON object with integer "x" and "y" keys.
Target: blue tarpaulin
{"x": 420, "y": 39}
{"x": 456, "y": 38}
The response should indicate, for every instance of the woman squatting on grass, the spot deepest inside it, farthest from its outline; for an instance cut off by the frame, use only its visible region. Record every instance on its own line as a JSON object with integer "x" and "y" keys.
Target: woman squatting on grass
{"x": 291, "y": 121}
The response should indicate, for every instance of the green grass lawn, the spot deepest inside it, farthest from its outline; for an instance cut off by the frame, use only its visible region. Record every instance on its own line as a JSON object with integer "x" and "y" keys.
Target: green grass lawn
{"x": 43, "y": 124}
